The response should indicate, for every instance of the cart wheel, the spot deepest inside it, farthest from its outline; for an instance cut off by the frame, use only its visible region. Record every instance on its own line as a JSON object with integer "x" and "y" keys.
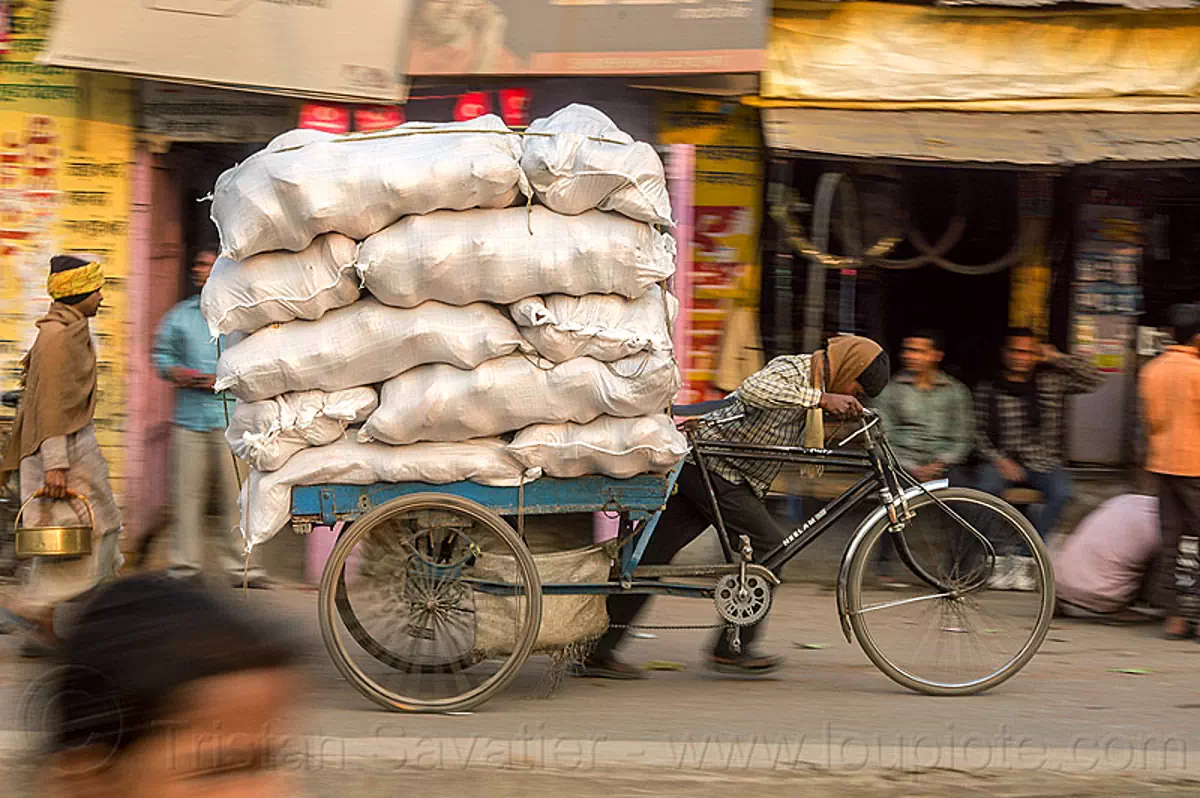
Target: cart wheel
{"x": 440, "y": 599}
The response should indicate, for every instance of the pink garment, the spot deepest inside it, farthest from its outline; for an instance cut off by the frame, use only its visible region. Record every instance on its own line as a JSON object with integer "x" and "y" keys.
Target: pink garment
{"x": 1102, "y": 564}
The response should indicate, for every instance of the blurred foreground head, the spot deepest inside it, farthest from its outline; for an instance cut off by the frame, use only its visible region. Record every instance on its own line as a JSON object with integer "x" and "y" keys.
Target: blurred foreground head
{"x": 169, "y": 691}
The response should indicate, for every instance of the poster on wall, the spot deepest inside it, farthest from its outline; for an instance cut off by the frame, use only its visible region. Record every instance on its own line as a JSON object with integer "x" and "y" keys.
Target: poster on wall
{"x": 1107, "y": 289}
{"x": 66, "y": 150}
{"x": 721, "y": 344}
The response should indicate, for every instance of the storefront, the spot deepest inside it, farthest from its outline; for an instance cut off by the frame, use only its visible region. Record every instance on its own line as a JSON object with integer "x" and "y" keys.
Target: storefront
{"x": 1084, "y": 252}
{"x": 1011, "y": 179}
{"x": 187, "y": 135}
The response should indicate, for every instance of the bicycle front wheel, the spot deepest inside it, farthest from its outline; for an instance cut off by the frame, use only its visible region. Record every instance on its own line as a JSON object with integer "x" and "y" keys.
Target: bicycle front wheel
{"x": 972, "y": 605}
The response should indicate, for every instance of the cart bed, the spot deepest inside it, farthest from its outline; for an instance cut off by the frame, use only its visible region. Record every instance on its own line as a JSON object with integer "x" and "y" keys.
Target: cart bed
{"x": 641, "y": 496}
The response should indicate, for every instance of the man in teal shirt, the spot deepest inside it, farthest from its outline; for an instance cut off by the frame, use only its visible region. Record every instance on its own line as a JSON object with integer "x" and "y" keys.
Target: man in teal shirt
{"x": 928, "y": 415}
{"x": 186, "y": 356}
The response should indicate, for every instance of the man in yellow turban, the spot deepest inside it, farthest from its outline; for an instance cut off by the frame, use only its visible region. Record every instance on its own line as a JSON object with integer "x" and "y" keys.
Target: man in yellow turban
{"x": 53, "y": 445}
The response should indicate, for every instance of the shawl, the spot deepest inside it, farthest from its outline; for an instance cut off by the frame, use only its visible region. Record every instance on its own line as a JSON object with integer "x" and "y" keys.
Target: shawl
{"x": 59, "y": 385}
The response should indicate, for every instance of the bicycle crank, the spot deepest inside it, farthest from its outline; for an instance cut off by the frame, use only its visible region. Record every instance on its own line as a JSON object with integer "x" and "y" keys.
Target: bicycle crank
{"x": 742, "y": 599}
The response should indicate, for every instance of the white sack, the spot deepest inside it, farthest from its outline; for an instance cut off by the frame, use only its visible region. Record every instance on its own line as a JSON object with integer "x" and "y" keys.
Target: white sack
{"x": 362, "y": 344}
{"x": 266, "y": 499}
{"x": 617, "y": 447}
{"x": 604, "y": 326}
{"x": 276, "y": 287}
{"x": 267, "y": 434}
{"x": 440, "y": 403}
{"x": 506, "y": 255}
{"x": 572, "y": 172}
{"x": 297, "y": 189}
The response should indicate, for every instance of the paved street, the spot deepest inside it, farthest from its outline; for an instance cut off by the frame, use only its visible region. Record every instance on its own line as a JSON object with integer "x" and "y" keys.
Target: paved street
{"x": 1070, "y": 724}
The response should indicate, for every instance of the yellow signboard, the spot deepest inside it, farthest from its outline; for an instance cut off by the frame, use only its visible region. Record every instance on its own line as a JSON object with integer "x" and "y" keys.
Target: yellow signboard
{"x": 722, "y": 346}
{"x": 66, "y": 158}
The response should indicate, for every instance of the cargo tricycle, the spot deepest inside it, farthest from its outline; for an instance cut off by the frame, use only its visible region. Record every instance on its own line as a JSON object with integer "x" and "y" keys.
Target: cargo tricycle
{"x": 431, "y": 601}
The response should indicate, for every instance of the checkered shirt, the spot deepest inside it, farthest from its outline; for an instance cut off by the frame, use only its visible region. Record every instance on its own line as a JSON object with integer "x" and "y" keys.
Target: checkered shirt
{"x": 1037, "y": 450}
{"x": 773, "y": 404}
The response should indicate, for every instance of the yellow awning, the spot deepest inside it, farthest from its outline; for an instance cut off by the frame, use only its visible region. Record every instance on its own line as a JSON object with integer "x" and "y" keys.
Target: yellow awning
{"x": 913, "y": 57}
{"x": 1019, "y": 140}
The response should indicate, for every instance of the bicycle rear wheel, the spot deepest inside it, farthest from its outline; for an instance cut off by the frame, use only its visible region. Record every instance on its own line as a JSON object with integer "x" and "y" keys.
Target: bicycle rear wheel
{"x": 956, "y": 626}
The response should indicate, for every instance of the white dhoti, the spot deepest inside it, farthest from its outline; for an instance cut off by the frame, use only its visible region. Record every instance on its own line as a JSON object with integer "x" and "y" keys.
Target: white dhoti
{"x": 53, "y": 580}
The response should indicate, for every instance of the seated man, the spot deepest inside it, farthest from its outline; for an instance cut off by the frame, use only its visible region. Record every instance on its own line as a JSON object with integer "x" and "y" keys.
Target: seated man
{"x": 1105, "y": 563}
{"x": 927, "y": 413}
{"x": 780, "y": 405}
{"x": 1019, "y": 434}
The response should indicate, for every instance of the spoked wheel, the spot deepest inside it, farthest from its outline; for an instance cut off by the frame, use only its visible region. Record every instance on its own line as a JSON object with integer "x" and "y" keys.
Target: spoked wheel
{"x": 956, "y": 624}
{"x": 430, "y": 603}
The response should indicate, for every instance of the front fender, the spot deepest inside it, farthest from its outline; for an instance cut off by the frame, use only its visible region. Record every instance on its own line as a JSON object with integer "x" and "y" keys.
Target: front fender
{"x": 869, "y": 523}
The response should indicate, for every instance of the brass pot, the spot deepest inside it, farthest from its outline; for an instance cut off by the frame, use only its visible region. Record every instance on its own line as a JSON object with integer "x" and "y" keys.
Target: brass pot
{"x": 54, "y": 541}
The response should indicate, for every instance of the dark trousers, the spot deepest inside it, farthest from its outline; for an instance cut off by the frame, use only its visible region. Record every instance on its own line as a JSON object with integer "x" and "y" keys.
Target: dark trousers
{"x": 1055, "y": 486}
{"x": 1179, "y": 560}
{"x": 689, "y": 513}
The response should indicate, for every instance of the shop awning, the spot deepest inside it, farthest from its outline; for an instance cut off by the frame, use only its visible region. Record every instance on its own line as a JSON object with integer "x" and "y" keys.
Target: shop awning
{"x": 1135, "y": 5}
{"x": 832, "y": 54}
{"x": 348, "y": 50}
{"x": 1031, "y": 140}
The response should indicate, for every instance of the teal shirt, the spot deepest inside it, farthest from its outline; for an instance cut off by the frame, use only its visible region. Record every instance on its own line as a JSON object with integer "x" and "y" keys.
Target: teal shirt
{"x": 928, "y": 426}
{"x": 183, "y": 341}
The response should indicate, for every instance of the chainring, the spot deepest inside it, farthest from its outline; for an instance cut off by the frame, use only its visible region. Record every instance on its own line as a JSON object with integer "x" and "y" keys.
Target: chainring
{"x": 738, "y": 607}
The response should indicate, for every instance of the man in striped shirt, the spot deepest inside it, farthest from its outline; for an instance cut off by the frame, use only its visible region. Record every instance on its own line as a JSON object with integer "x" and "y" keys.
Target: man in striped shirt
{"x": 780, "y": 405}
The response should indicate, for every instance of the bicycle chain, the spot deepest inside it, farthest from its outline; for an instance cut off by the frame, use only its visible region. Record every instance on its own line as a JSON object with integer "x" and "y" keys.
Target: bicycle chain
{"x": 687, "y": 627}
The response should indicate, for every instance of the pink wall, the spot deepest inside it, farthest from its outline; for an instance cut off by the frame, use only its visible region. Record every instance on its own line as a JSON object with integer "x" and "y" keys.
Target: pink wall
{"x": 681, "y": 170}
{"x": 154, "y": 286}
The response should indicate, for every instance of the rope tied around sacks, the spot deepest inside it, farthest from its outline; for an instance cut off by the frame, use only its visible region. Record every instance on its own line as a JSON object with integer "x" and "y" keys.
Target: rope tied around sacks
{"x": 351, "y": 138}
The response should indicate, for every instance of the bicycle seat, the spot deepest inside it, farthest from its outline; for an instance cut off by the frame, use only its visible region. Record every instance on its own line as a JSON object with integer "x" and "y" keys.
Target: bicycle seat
{"x": 10, "y": 398}
{"x": 701, "y": 408}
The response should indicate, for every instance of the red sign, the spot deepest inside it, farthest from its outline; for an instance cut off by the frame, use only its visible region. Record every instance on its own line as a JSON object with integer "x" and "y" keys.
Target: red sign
{"x": 5, "y": 27}
{"x": 372, "y": 118}
{"x": 514, "y": 107}
{"x": 327, "y": 118}
{"x": 471, "y": 106}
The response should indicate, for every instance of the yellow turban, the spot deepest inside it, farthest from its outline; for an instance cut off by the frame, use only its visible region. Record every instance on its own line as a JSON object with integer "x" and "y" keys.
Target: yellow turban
{"x": 75, "y": 279}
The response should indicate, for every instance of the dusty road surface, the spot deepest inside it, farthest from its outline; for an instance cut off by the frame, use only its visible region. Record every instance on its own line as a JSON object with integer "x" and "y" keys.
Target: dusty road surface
{"x": 1101, "y": 711}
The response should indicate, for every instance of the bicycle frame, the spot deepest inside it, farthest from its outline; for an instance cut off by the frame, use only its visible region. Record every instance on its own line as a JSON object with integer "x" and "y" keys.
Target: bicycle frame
{"x": 880, "y": 478}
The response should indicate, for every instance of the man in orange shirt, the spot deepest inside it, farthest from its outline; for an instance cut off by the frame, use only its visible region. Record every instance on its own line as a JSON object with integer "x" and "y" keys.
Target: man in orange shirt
{"x": 1170, "y": 393}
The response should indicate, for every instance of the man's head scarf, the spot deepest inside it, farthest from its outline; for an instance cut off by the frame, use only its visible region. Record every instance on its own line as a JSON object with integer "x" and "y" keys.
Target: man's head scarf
{"x": 835, "y": 369}
{"x": 73, "y": 277}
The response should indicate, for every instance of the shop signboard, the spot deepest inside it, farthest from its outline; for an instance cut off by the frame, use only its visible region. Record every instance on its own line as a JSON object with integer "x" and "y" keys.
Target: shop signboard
{"x": 722, "y": 345}
{"x": 65, "y": 187}
{"x": 346, "y": 50}
{"x": 325, "y": 118}
{"x": 587, "y": 37}
{"x": 374, "y": 118}
{"x": 178, "y": 112}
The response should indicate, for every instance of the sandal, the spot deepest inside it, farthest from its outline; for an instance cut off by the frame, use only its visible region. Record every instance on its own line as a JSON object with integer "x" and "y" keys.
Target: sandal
{"x": 747, "y": 664}
{"x": 607, "y": 668}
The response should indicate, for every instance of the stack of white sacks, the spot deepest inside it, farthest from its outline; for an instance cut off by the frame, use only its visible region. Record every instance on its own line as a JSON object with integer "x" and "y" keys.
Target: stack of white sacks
{"x": 443, "y": 303}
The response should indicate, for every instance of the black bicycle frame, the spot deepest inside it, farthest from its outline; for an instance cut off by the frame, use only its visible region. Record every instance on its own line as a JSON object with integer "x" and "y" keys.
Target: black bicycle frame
{"x": 879, "y": 478}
